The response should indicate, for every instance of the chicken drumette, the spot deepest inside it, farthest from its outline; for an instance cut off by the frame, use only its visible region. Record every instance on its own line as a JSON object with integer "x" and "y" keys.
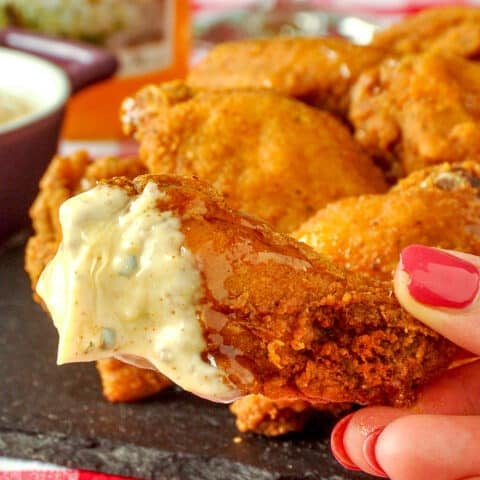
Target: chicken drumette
{"x": 318, "y": 71}
{"x": 268, "y": 155}
{"x": 276, "y": 317}
{"x": 418, "y": 111}
{"x": 438, "y": 206}
{"x": 452, "y": 29}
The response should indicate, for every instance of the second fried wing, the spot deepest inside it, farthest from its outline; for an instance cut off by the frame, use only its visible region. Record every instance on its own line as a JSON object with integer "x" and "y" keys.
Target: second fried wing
{"x": 439, "y": 207}
{"x": 269, "y": 155}
{"x": 419, "y": 111}
{"x": 319, "y": 71}
{"x": 452, "y": 29}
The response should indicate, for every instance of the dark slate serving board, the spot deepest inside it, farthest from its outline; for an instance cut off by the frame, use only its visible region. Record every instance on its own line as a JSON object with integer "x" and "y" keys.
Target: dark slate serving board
{"x": 57, "y": 414}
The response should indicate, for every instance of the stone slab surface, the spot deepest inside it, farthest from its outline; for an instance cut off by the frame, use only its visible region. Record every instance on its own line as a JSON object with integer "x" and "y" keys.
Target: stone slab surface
{"x": 57, "y": 414}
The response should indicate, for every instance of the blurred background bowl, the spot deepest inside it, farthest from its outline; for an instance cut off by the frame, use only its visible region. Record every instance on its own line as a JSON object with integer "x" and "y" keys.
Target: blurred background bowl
{"x": 28, "y": 142}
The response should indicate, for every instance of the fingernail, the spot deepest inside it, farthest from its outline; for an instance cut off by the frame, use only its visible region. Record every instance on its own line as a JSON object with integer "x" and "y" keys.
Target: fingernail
{"x": 368, "y": 450}
{"x": 338, "y": 447}
{"x": 438, "y": 278}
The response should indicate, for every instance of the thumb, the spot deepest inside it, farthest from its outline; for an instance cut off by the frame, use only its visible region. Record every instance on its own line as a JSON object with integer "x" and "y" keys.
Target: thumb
{"x": 441, "y": 289}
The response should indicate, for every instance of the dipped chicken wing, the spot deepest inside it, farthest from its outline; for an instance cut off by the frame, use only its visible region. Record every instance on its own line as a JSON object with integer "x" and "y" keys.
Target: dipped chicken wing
{"x": 65, "y": 177}
{"x": 269, "y": 155}
{"x": 224, "y": 306}
{"x": 319, "y": 71}
{"x": 452, "y": 29}
{"x": 438, "y": 206}
{"x": 419, "y": 111}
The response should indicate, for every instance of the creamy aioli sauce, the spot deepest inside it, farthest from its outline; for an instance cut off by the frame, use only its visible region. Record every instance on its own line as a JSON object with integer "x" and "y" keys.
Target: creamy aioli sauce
{"x": 12, "y": 107}
{"x": 122, "y": 283}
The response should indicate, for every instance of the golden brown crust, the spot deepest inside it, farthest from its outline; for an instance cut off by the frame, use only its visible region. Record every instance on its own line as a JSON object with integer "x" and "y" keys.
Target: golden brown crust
{"x": 419, "y": 111}
{"x": 259, "y": 414}
{"x": 65, "y": 177}
{"x": 438, "y": 206}
{"x": 284, "y": 321}
{"x": 125, "y": 383}
{"x": 269, "y": 155}
{"x": 453, "y": 29}
{"x": 319, "y": 71}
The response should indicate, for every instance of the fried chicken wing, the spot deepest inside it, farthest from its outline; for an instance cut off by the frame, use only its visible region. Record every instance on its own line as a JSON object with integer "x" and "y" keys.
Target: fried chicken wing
{"x": 267, "y": 154}
{"x": 272, "y": 418}
{"x": 438, "y": 206}
{"x": 452, "y": 29}
{"x": 275, "y": 317}
{"x": 123, "y": 382}
{"x": 259, "y": 414}
{"x": 419, "y": 111}
{"x": 65, "y": 177}
{"x": 319, "y": 71}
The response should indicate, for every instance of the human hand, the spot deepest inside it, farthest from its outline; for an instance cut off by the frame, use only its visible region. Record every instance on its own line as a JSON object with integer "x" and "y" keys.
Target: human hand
{"x": 437, "y": 438}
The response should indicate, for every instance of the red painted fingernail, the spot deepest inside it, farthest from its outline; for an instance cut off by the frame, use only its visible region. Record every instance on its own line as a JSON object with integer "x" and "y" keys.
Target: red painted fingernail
{"x": 338, "y": 448}
{"x": 438, "y": 278}
{"x": 368, "y": 450}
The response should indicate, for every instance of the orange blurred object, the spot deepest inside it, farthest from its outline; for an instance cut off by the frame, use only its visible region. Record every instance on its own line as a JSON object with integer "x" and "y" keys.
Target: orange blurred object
{"x": 93, "y": 113}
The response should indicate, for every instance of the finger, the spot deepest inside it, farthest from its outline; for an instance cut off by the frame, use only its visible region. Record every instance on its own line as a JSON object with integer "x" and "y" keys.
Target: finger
{"x": 440, "y": 288}
{"x": 347, "y": 440}
{"x": 426, "y": 447}
{"x": 457, "y": 392}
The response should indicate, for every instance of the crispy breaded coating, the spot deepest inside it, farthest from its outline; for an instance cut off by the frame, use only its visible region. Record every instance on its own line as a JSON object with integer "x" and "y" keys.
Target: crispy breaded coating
{"x": 319, "y": 71}
{"x": 438, "y": 206}
{"x": 259, "y": 414}
{"x": 65, "y": 177}
{"x": 269, "y": 155}
{"x": 262, "y": 415}
{"x": 122, "y": 382}
{"x": 419, "y": 111}
{"x": 282, "y": 320}
{"x": 452, "y": 29}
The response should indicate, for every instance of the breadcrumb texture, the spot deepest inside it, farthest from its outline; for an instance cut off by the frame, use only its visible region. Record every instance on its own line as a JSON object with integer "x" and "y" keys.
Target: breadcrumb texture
{"x": 122, "y": 382}
{"x": 269, "y": 155}
{"x": 438, "y": 206}
{"x": 452, "y": 29}
{"x": 319, "y": 71}
{"x": 272, "y": 418}
{"x": 283, "y": 321}
{"x": 418, "y": 111}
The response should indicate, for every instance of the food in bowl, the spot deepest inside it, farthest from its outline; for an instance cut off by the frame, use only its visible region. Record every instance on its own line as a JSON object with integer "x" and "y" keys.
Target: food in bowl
{"x": 13, "y": 107}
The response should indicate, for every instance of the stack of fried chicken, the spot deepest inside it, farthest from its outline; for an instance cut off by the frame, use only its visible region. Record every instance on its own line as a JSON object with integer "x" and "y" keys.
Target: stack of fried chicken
{"x": 356, "y": 151}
